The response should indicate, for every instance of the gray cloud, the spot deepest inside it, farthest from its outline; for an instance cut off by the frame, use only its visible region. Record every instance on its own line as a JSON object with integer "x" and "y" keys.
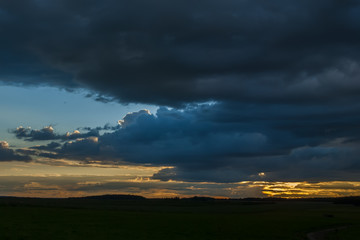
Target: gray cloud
{"x": 48, "y": 133}
{"x": 172, "y": 53}
{"x": 8, "y": 154}
{"x": 208, "y": 142}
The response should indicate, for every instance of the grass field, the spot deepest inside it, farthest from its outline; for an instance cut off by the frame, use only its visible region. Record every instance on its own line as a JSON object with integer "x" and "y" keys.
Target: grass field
{"x": 171, "y": 219}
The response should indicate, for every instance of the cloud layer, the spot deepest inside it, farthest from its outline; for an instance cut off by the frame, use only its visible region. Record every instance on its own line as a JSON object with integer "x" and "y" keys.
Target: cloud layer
{"x": 170, "y": 53}
{"x": 76, "y": 186}
{"x": 208, "y": 142}
{"x": 278, "y": 82}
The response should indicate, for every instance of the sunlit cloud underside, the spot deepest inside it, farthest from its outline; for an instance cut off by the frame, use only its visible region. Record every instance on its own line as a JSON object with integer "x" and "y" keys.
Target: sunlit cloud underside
{"x": 51, "y": 181}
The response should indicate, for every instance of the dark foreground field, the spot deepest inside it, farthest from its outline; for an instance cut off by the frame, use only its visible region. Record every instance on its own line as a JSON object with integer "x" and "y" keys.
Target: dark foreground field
{"x": 174, "y": 219}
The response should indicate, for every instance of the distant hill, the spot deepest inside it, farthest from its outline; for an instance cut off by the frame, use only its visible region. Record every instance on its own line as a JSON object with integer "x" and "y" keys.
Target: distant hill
{"x": 348, "y": 200}
{"x": 197, "y": 198}
{"x": 114, "y": 197}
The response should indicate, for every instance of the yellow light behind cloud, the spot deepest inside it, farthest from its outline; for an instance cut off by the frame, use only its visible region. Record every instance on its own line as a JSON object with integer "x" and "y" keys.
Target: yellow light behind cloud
{"x": 65, "y": 178}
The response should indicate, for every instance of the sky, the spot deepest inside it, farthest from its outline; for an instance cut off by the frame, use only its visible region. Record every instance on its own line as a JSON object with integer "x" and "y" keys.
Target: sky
{"x": 180, "y": 98}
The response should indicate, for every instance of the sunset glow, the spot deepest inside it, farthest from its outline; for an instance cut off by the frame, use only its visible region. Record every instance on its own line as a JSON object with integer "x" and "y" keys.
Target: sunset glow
{"x": 230, "y": 99}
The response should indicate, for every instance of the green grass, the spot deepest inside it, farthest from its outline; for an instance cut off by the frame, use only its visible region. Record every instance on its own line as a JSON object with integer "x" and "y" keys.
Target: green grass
{"x": 66, "y": 219}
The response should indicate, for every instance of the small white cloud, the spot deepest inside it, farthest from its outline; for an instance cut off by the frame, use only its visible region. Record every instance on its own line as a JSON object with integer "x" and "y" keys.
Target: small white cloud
{"x": 4, "y": 144}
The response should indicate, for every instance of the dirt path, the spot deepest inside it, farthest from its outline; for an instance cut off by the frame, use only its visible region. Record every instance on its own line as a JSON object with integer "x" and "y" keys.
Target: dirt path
{"x": 321, "y": 235}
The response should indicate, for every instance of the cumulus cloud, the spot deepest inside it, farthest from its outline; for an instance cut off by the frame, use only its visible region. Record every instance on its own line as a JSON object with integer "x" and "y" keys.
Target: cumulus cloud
{"x": 8, "y": 154}
{"x": 48, "y": 133}
{"x": 170, "y": 53}
{"x": 132, "y": 117}
{"x": 81, "y": 148}
{"x": 208, "y": 142}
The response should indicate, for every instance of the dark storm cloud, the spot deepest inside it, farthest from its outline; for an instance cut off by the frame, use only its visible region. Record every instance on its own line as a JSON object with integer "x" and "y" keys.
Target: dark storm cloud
{"x": 208, "y": 142}
{"x": 171, "y": 52}
{"x": 284, "y": 77}
{"x": 8, "y": 154}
